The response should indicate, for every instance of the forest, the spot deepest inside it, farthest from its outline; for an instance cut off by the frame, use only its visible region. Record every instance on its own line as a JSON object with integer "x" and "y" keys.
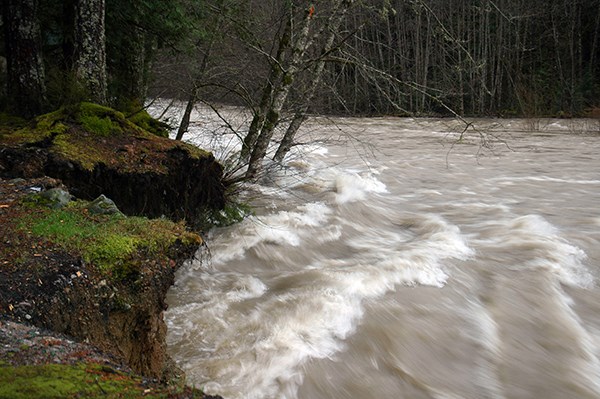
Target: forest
{"x": 286, "y": 59}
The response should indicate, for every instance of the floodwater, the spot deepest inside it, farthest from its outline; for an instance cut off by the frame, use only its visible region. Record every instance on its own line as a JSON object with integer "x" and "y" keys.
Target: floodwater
{"x": 388, "y": 260}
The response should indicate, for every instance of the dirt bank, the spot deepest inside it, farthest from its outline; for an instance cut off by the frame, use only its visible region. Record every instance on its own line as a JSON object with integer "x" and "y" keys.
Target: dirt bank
{"x": 100, "y": 278}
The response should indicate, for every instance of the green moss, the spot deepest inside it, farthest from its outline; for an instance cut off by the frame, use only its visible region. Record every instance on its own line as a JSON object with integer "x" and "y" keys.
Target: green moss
{"x": 77, "y": 381}
{"x": 44, "y": 127}
{"x": 47, "y": 121}
{"x": 11, "y": 121}
{"x": 108, "y": 241}
{"x": 148, "y": 123}
{"x": 89, "y": 109}
{"x": 100, "y": 126}
{"x": 108, "y": 251}
{"x": 79, "y": 149}
{"x": 88, "y": 134}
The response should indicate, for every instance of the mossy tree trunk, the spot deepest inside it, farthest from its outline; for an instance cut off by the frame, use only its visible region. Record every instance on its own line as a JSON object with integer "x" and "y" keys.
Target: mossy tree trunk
{"x": 332, "y": 26}
{"x": 259, "y": 150}
{"x": 90, "y": 48}
{"x": 25, "y": 69}
{"x": 273, "y": 80}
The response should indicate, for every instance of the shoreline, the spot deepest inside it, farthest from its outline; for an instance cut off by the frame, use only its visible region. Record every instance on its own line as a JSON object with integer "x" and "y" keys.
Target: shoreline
{"x": 109, "y": 319}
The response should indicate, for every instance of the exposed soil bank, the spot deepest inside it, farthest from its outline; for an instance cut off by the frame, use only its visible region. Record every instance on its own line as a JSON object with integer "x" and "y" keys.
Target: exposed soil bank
{"x": 95, "y": 150}
{"x": 101, "y": 279}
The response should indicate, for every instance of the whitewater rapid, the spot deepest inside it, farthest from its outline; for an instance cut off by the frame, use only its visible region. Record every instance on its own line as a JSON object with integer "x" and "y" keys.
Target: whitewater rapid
{"x": 400, "y": 264}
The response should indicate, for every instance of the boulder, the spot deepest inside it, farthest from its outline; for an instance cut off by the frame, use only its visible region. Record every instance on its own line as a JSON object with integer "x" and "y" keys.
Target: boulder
{"x": 56, "y": 197}
{"x": 103, "y": 206}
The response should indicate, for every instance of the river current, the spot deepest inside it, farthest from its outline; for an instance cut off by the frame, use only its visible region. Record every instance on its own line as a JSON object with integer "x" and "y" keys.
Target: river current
{"x": 388, "y": 260}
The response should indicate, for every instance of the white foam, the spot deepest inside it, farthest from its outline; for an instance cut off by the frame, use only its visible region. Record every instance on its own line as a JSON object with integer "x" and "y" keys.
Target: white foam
{"x": 246, "y": 287}
{"x": 308, "y": 313}
{"x": 352, "y": 187}
{"x": 535, "y": 237}
{"x": 282, "y": 228}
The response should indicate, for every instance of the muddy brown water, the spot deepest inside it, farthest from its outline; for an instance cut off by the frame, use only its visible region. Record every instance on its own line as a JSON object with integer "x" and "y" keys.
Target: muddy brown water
{"x": 406, "y": 267}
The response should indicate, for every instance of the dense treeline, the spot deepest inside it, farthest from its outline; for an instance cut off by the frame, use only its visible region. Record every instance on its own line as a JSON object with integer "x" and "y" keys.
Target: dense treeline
{"x": 57, "y": 52}
{"x": 480, "y": 57}
{"x": 474, "y": 57}
{"x": 284, "y": 59}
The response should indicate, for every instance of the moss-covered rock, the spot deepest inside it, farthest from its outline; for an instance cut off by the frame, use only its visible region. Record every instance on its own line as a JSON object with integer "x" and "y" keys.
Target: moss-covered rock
{"x": 143, "y": 119}
{"x": 96, "y": 150}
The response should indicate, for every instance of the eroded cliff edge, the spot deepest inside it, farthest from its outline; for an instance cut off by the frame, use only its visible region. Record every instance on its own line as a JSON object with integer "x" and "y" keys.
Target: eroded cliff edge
{"x": 100, "y": 278}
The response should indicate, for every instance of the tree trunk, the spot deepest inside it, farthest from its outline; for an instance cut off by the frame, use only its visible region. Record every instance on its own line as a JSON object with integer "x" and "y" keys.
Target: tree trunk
{"x": 288, "y": 138}
{"x": 259, "y": 151}
{"x": 90, "y": 48}
{"x": 275, "y": 75}
{"x": 128, "y": 71}
{"x": 185, "y": 121}
{"x": 317, "y": 73}
{"x": 25, "y": 69}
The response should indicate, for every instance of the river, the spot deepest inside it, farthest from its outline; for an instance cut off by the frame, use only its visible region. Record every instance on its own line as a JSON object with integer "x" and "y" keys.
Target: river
{"x": 388, "y": 260}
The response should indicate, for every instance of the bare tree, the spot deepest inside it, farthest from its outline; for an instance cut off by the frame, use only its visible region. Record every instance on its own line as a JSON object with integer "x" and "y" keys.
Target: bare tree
{"x": 331, "y": 27}
{"x": 298, "y": 49}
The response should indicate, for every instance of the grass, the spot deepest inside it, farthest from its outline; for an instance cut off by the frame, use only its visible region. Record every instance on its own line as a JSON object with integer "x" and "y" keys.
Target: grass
{"x": 108, "y": 241}
{"x": 85, "y": 380}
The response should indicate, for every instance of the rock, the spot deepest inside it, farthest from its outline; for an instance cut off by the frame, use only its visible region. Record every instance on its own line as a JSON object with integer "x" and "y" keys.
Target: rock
{"x": 103, "y": 206}
{"x": 57, "y": 197}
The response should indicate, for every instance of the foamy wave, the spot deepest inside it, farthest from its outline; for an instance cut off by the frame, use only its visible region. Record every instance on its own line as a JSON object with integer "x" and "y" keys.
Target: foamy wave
{"x": 355, "y": 187}
{"x": 276, "y": 326}
{"x": 540, "y": 246}
{"x": 307, "y": 324}
{"x": 413, "y": 255}
{"x": 282, "y": 228}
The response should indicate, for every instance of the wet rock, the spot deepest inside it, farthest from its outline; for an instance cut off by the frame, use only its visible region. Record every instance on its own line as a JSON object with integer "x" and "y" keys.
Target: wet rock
{"x": 57, "y": 197}
{"x": 103, "y": 206}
